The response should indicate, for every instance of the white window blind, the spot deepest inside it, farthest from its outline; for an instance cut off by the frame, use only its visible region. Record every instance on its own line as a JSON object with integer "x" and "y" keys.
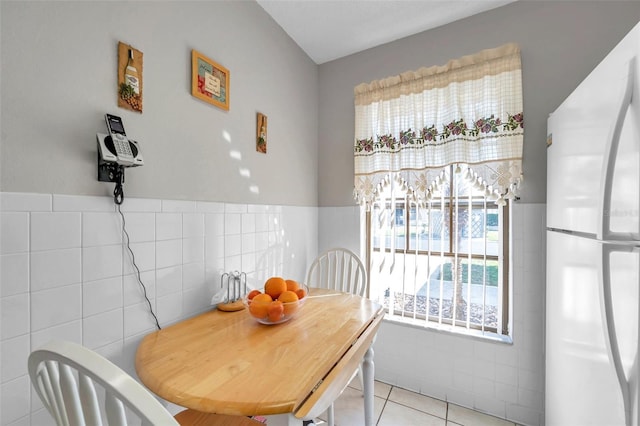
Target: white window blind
{"x": 441, "y": 264}
{"x": 438, "y": 154}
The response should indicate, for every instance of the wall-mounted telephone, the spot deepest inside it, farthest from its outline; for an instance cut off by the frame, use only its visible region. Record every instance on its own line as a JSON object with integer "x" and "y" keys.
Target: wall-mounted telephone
{"x": 116, "y": 152}
{"x": 115, "y": 147}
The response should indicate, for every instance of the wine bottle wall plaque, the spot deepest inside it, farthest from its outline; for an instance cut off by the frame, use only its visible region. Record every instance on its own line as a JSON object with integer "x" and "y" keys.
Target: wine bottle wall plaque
{"x": 261, "y": 135}
{"x": 129, "y": 78}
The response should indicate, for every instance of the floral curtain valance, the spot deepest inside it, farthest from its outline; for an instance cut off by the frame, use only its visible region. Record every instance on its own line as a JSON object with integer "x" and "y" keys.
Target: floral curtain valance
{"x": 469, "y": 111}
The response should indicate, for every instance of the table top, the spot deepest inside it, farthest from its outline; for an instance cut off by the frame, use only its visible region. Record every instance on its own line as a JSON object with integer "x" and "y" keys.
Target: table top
{"x": 228, "y": 363}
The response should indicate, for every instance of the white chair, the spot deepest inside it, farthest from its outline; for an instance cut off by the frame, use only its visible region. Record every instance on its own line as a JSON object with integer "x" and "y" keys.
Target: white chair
{"x": 339, "y": 269}
{"x": 71, "y": 379}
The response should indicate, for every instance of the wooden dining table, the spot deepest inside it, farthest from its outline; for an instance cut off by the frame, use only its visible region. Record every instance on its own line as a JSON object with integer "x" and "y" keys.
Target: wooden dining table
{"x": 228, "y": 363}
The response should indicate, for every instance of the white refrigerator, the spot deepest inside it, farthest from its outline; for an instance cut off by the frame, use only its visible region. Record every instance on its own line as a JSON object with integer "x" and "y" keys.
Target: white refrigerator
{"x": 593, "y": 246}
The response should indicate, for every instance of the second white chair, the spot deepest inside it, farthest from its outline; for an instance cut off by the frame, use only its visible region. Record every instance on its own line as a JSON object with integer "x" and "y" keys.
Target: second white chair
{"x": 339, "y": 269}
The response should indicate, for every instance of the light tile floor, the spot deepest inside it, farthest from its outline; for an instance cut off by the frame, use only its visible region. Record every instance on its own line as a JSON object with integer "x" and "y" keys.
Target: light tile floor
{"x": 394, "y": 406}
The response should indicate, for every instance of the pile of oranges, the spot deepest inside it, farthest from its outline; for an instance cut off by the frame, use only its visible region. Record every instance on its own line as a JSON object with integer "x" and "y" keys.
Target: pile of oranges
{"x": 279, "y": 301}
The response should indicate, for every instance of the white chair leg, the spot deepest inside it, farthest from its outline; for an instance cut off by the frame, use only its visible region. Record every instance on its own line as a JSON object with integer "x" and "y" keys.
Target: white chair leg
{"x": 330, "y": 416}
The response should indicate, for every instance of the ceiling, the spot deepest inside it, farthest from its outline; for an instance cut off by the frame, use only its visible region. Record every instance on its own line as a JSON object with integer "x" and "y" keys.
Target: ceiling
{"x": 331, "y": 29}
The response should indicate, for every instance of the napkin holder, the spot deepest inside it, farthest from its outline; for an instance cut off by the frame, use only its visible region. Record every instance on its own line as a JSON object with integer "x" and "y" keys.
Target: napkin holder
{"x": 235, "y": 284}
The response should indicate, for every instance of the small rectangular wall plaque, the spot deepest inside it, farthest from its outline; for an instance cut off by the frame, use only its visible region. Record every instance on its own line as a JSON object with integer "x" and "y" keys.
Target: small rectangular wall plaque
{"x": 261, "y": 133}
{"x": 129, "y": 78}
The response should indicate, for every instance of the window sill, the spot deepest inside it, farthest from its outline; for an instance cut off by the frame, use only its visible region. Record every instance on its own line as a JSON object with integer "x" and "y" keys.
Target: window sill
{"x": 484, "y": 336}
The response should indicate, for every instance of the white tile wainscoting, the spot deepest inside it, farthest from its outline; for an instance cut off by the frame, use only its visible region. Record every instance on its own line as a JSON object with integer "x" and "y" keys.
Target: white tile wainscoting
{"x": 65, "y": 272}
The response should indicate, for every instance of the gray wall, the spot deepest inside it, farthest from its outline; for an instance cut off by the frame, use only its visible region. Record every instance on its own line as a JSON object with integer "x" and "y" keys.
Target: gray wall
{"x": 59, "y": 79}
{"x": 561, "y": 42}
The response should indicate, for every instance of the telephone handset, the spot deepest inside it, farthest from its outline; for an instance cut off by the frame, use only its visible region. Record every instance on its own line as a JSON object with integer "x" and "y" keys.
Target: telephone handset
{"x": 116, "y": 147}
{"x": 119, "y": 139}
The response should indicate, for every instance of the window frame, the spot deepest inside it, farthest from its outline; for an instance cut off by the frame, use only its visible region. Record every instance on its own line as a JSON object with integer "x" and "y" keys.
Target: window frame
{"x": 450, "y": 207}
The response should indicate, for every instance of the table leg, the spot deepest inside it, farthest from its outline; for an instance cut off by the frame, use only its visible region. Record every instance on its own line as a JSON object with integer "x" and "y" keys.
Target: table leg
{"x": 367, "y": 378}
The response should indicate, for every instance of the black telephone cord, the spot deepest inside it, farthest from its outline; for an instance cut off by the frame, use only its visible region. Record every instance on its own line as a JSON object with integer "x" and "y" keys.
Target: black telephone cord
{"x": 133, "y": 258}
{"x": 118, "y": 191}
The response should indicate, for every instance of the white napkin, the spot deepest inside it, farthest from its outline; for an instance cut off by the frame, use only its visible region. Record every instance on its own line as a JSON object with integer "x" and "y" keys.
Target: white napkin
{"x": 220, "y": 292}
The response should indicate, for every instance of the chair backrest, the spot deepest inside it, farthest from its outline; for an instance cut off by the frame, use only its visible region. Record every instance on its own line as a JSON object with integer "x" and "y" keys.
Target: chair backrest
{"x": 338, "y": 269}
{"x": 71, "y": 379}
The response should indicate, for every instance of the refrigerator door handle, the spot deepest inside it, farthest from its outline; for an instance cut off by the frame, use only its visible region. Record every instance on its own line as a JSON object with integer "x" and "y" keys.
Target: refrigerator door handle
{"x": 609, "y": 326}
{"x": 609, "y": 160}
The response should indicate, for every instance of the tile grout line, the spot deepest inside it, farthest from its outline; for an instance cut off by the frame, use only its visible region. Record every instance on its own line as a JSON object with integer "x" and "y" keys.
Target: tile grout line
{"x": 384, "y": 405}
{"x": 446, "y": 415}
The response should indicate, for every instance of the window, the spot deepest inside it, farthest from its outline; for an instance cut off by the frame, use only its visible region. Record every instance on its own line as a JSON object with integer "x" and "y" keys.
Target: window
{"x": 437, "y": 159}
{"x": 445, "y": 260}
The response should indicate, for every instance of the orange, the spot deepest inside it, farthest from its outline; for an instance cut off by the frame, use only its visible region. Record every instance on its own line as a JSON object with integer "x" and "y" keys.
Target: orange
{"x": 275, "y": 311}
{"x": 262, "y": 298}
{"x": 290, "y": 300}
{"x": 288, "y": 296}
{"x": 259, "y": 306}
{"x": 253, "y": 293}
{"x": 301, "y": 293}
{"x": 274, "y": 286}
{"x": 292, "y": 285}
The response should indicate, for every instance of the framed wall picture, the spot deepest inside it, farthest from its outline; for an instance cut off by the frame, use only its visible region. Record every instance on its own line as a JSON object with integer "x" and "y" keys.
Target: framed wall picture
{"x": 209, "y": 80}
{"x": 261, "y": 133}
{"x": 129, "y": 77}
